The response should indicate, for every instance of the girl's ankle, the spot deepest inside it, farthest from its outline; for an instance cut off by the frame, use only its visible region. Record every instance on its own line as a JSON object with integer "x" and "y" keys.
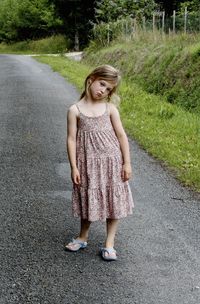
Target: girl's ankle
{"x": 82, "y": 239}
{"x": 109, "y": 245}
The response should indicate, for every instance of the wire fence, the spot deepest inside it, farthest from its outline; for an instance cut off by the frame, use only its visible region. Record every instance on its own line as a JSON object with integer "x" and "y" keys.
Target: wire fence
{"x": 187, "y": 22}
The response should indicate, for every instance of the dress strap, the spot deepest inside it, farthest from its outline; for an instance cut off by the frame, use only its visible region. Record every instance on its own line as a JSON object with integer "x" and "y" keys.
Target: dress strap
{"x": 107, "y": 107}
{"x": 106, "y": 111}
{"x": 78, "y": 108}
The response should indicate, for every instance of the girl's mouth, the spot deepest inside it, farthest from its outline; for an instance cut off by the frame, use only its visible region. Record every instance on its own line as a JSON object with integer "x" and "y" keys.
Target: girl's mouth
{"x": 99, "y": 94}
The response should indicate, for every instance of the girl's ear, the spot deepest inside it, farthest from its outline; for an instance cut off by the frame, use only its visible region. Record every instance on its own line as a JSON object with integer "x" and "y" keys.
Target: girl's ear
{"x": 90, "y": 80}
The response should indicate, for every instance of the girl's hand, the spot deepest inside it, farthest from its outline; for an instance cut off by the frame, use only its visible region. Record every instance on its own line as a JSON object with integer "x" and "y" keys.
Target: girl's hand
{"x": 75, "y": 175}
{"x": 126, "y": 172}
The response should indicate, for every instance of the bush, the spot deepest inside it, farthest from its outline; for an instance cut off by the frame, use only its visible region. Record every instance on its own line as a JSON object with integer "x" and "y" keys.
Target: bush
{"x": 53, "y": 44}
{"x": 49, "y": 45}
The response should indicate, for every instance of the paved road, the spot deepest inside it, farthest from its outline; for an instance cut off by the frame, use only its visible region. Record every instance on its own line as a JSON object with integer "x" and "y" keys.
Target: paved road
{"x": 159, "y": 252}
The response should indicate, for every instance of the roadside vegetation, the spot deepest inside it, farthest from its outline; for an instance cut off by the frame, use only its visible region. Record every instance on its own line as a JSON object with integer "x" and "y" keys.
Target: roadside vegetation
{"x": 167, "y": 131}
{"x": 49, "y": 45}
{"x": 159, "y": 63}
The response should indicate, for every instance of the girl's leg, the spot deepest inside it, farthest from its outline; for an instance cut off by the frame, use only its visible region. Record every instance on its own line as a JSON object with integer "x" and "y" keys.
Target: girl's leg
{"x": 83, "y": 236}
{"x": 111, "y": 231}
{"x": 84, "y": 231}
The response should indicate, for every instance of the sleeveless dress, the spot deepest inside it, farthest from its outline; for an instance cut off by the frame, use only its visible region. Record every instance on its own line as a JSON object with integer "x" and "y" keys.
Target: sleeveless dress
{"x": 101, "y": 194}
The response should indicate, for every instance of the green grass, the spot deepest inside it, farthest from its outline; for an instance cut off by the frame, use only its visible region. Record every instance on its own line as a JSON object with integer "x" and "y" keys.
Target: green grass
{"x": 167, "y": 131}
{"x": 161, "y": 64}
{"x": 50, "y": 45}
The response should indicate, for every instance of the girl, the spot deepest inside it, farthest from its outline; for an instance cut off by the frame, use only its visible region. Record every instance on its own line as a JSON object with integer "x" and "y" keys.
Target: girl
{"x": 99, "y": 157}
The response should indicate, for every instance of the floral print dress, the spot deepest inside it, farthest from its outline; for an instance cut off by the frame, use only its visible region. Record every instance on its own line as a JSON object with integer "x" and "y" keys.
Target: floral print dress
{"x": 101, "y": 194}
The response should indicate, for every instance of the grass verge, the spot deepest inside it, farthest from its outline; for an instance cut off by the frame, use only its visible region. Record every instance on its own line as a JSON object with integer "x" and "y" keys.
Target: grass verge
{"x": 166, "y": 131}
{"x": 50, "y": 45}
{"x": 167, "y": 65}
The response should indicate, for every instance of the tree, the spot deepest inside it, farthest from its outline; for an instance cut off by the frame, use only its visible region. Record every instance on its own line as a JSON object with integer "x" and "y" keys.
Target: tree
{"x": 169, "y": 6}
{"x": 26, "y": 19}
{"x": 107, "y": 11}
{"x": 192, "y": 6}
{"x": 77, "y": 16}
{"x": 8, "y": 18}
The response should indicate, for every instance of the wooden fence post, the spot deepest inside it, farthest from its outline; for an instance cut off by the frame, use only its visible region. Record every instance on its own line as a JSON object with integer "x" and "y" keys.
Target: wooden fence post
{"x": 108, "y": 34}
{"x": 174, "y": 21}
{"x": 185, "y": 20}
{"x": 153, "y": 22}
{"x": 126, "y": 30}
{"x": 76, "y": 41}
{"x": 132, "y": 28}
{"x": 163, "y": 22}
{"x": 135, "y": 24}
{"x": 144, "y": 23}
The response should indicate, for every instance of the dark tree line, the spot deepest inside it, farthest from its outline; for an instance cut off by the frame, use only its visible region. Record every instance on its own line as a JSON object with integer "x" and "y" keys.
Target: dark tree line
{"x": 77, "y": 17}
{"x": 32, "y": 19}
{"x": 168, "y": 6}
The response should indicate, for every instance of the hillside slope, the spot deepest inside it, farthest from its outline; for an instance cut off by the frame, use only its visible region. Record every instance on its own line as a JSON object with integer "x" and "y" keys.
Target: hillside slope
{"x": 169, "y": 66}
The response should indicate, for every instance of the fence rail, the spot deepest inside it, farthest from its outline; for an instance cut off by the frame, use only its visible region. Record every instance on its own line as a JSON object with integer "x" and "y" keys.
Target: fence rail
{"x": 177, "y": 23}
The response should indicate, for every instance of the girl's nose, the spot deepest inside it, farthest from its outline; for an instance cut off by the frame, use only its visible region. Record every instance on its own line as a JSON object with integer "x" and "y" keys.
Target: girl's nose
{"x": 103, "y": 90}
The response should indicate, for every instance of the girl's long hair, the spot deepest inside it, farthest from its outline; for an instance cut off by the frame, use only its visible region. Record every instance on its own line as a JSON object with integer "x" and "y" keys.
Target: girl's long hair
{"x": 104, "y": 72}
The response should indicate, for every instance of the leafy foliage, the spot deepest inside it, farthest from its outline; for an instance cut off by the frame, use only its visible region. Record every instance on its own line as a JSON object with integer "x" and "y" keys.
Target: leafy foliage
{"x": 192, "y": 7}
{"x": 27, "y": 19}
{"x": 33, "y": 19}
{"x": 108, "y": 11}
{"x": 169, "y": 6}
{"x": 78, "y": 18}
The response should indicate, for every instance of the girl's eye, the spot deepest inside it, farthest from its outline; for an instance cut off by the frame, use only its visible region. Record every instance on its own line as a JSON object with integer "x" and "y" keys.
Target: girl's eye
{"x": 103, "y": 84}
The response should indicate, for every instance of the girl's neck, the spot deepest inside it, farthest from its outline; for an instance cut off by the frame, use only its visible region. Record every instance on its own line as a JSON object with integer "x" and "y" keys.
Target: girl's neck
{"x": 89, "y": 100}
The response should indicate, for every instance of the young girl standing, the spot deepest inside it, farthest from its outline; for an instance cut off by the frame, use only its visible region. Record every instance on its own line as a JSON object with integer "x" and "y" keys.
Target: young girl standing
{"x": 99, "y": 157}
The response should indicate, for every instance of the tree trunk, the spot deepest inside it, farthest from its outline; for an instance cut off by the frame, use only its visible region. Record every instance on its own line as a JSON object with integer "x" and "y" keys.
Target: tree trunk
{"x": 76, "y": 41}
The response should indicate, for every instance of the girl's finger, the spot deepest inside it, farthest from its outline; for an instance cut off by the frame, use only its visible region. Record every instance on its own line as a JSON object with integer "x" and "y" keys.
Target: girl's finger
{"x": 78, "y": 179}
{"x": 75, "y": 180}
{"x": 127, "y": 176}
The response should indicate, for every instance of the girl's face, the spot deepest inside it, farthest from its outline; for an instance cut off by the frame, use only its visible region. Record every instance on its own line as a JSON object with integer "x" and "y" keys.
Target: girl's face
{"x": 99, "y": 89}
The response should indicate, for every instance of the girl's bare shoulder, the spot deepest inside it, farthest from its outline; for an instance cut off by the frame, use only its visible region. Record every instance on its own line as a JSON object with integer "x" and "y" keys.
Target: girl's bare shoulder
{"x": 112, "y": 109}
{"x": 73, "y": 110}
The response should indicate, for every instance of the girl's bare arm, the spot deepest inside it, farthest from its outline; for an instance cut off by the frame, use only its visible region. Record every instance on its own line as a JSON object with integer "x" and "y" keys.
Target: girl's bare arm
{"x": 123, "y": 140}
{"x": 71, "y": 136}
{"x": 71, "y": 143}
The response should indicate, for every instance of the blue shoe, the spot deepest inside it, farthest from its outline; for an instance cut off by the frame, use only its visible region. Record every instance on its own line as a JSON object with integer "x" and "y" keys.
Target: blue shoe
{"x": 75, "y": 245}
{"x": 108, "y": 254}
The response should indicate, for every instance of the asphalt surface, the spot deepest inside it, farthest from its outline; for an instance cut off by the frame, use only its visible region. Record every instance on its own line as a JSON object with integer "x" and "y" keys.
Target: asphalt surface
{"x": 158, "y": 247}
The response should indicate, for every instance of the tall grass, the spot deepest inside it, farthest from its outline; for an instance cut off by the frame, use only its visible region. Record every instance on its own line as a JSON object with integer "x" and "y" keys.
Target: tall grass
{"x": 50, "y": 45}
{"x": 166, "y": 131}
{"x": 167, "y": 65}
